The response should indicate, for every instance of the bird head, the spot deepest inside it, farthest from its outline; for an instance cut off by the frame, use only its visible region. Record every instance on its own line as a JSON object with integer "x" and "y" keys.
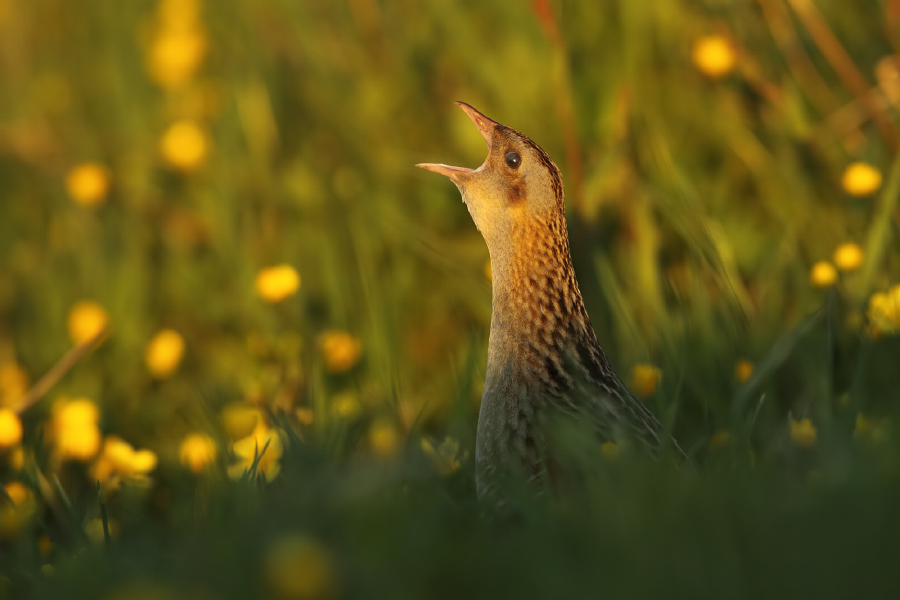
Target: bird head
{"x": 517, "y": 184}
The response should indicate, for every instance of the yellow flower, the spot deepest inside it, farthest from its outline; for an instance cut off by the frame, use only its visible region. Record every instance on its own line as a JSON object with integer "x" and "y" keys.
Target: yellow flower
{"x": 644, "y": 379}
{"x": 304, "y": 415}
{"x": 823, "y": 274}
{"x": 446, "y": 457}
{"x": 10, "y": 429}
{"x": 743, "y": 370}
{"x": 13, "y": 384}
{"x": 143, "y": 461}
{"x": 240, "y": 420}
{"x": 175, "y": 55}
{"x": 610, "y": 450}
{"x": 249, "y": 448}
{"x": 95, "y": 533}
{"x": 884, "y": 312}
{"x": 119, "y": 460}
{"x": 184, "y": 145}
{"x": 299, "y": 568}
{"x": 861, "y": 179}
{"x": 346, "y": 406}
{"x": 86, "y": 320}
{"x": 198, "y": 451}
{"x": 384, "y": 438}
{"x": 45, "y": 545}
{"x": 274, "y": 284}
{"x": 68, "y": 414}
{"x": 74, "y": 429}
{"x": 18, "y": 515}
{"x": 340, "y": 350}
{"x": 16, "y": 459}
{"x": 17, "y": 492}
{"x": 88, "y": 184}
{"x": 719, "y": 439}
{"x": 79, "y": 444}
{"x": 848, "y": 257}
{"x": 803, "y": 433}
{"x": 713, "y": 55}
{"x": 164, "y": 352}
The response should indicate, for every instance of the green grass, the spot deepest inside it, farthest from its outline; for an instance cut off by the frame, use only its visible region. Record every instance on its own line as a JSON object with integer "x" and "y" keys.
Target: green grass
{"x": 697, "y": 207}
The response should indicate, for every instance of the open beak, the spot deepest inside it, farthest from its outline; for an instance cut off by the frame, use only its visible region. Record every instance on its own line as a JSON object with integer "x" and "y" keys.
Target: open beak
{"x": 485, "y": 127}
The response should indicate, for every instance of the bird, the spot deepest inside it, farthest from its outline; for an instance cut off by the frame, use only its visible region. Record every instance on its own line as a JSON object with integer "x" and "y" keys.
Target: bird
{"x": 544, "y": 360}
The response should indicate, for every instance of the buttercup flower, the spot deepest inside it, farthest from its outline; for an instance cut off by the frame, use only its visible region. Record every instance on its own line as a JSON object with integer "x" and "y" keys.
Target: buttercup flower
{"x": 274, "y": 284}
{"x": 86, "y": 320}
{"x": 340, "y": 350}
{"x": 848, "y": 257}
{"x": 10, "y": 429}
{"x": 119, "y": 460}
{"x": 743, "y": 370}
{"x": 74, "y": 430}
{"x": 803, "y": 433}
{"x": 246, "y": 450}
{"x": 198, "y": 451}
{"x": 184, "y": 145}
{"x": 240, "y": 420}
{"x": 384, "y": 438}
{"x": 644, "y": 379}
{"x": 176, "y": 54}
{"x": 88, "y": 184}
{"x": 884, "y": 312}
{"x": 823, "y": 274}
{"x": 713, "y": 56}
{"x": 304, "y": 415}
{"x": 346, "y": 405}
{"x": 15, "y": 516}
{"x": 45, "y": 545}
{"x": 164, "y": 352}
{"x": 861, "y": 179}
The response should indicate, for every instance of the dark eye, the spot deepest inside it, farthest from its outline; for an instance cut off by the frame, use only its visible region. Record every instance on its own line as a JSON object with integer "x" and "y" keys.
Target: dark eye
{"x": 513, "y": 160}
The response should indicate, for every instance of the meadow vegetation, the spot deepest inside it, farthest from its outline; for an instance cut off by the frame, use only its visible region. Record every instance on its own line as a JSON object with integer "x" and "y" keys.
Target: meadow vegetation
{"x": 242, "y": 338}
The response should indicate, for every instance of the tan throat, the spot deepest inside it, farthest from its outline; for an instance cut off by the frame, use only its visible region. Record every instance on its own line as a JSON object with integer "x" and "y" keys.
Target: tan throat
{"x": 538, "y": 312}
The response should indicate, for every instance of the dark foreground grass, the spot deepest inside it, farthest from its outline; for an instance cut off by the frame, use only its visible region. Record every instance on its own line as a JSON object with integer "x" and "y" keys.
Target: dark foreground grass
{"x": 638, "y": 531}
{"x": 159, "y": 157}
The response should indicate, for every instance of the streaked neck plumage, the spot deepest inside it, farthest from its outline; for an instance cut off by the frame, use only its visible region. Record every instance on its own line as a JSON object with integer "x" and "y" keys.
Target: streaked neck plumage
{"x": 538, "y": 312}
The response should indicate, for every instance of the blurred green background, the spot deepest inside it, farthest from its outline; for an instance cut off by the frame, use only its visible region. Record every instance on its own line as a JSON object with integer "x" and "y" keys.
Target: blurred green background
{"x": 213, "y": 240}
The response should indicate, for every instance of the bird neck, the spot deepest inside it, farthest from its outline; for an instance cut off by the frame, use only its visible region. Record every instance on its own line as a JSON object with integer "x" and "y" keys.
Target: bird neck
{"x": 538, "y": 310}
